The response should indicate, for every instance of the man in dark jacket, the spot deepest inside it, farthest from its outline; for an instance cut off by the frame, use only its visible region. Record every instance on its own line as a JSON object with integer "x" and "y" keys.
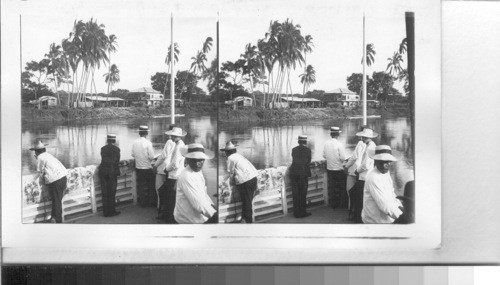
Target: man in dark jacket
{"x": 108, "y": 175}
{"x": 299, "y": 174}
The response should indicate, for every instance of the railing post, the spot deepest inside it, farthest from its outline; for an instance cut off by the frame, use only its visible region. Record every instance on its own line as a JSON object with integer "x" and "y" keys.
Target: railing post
{"x": 93, "y": 199}
{"x": 325, "y": 186}
{"x": 284, "y": 201}
{"x": 133, "y": 184}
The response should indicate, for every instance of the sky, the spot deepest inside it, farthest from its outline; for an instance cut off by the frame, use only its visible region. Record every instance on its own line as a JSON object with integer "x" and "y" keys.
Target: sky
{"x": 143, "y": 33}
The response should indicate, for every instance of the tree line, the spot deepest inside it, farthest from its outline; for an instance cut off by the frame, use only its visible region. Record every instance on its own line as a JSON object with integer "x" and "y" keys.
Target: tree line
{"x": 72, "y": 64}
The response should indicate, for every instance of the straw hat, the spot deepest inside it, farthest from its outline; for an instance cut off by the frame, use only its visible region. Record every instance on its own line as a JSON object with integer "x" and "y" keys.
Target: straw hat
{"x": 367, "y": 133}
{"x": 383, "y": 152}
{"x": 335, "y": 130}
{"x": 302, "y": 138}
{"x": 194, "y": 150}
{"x": 229, "y": 146}
{"x": 111, "y": 137}
{"x": 176, "y": 132}
{"x": 143, "y": 128}
{"x": 38, "y": 145}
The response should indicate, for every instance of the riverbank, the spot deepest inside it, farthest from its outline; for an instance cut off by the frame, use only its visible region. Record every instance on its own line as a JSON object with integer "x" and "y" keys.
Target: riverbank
{"x": 29, "y": 114}
{"x": 287, "y": 114}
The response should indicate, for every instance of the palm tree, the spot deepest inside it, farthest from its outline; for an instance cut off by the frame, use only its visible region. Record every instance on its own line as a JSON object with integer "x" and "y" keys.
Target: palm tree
{"x": 307, "y": 78}
{"x": 207, "y": 45}
{"x": 168, "y": 60}
{"x": 57, "y": 67}
{"x": 370, "y": 54}
{"x": 403, "y": 46}
{"x": 253, "y": 66}
{"x": 198, "y": 64}
{"x": 112, "y": 77}
{"x": 394, "y": 66}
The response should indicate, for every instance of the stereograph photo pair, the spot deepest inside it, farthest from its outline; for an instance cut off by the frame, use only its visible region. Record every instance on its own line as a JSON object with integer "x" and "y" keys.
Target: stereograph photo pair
{"x": 274, "y": 100}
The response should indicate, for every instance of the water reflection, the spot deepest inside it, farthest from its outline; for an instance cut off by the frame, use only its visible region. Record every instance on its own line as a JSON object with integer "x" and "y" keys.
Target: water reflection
{"x": 79, "y": 143}
{"x": 270, "y": 145}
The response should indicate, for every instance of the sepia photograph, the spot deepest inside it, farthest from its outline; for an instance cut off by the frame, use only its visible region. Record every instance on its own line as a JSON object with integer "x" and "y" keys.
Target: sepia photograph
{"x": 311, "y": 106}
{"x": 103, "y": 124}
{"x": 194, "y": 131}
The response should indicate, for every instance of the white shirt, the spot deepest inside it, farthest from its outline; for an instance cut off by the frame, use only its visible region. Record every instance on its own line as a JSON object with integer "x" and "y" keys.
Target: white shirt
{"x": 242, "y": 169}
{"x": 192, "y": 203}
{"x": 142, "y": 151}
{"x": 176, "y": 164}
{"x": 49, "y": 168}
{"x": 379, "y": 199}
{"x": 335, "y": 154}
{"x": 366, "y": 161}
{"x": 165, "y": 157}
{"x": 355, "y": 159}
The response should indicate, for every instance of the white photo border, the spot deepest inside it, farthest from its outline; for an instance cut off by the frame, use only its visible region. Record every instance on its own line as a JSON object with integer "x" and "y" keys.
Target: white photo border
{"x": 230, "y": 243}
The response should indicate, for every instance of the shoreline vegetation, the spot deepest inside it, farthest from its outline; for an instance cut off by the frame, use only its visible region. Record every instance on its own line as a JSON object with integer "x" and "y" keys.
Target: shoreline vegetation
{"x": 31, "y": 115}
{"x": 227, "y": 115}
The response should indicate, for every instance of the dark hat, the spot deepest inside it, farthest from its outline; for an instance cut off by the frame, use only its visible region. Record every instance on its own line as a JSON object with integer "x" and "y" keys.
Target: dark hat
{"x": 302, "y": 138}
{"x": 335, "y": 130}
{"x": 409, "y": 192}
{"x": 38, "y": 145}
{"x": 143, "y": 128}
{"x": 111, "y": 137}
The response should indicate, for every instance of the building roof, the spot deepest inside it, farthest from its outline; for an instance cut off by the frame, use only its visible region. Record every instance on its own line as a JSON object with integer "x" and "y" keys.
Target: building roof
{"x": 341, "y": 91}
{"x": 103, "y": 98}
{"x": 145, "y": 90}
{"x": 299, "y": 99}
{"x": 43, "y": 98}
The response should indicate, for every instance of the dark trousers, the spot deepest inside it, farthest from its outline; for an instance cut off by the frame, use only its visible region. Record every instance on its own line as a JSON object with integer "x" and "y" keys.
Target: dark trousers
{"x": 108, "y": 190}
{"x": 146, "y": 192}
{"x": 337, "y": 195}
{"x": 214, "y": 219}
{"x": 56, "y": 190}
{"x": 167, "y": 195}
{"x": 247, "y": 191}
{"x": 356, "y": 196}
{"x": 299, "y": 194}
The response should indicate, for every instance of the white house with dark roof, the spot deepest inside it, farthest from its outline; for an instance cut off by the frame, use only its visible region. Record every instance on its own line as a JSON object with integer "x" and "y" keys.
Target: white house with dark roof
{"x": 147, "y": 95}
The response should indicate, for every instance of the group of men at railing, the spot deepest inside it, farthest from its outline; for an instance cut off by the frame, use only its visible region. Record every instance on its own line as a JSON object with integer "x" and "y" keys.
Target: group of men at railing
{"x": 179, "y": 184}
{"x": 362, "y": 182}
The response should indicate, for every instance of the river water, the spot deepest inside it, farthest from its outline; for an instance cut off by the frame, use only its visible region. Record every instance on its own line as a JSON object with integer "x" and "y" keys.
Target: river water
{"x": 79, "y": 143}
{"x": 270, "y": 145}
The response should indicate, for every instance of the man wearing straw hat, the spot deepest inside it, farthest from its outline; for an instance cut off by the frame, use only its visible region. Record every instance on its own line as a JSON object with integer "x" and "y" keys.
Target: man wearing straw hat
{"x": 193, "y": 205}
{"x": 356, "y": 192}
{"x": 380, "y": 205}
{"x": 143, "y": 153}
{"x": 245, "y": 178}
{"x": 53, "y": 174}
{"x": 108, "y": 175}
{"x": 300, "y": 171}
{"x": 161, "y": 176}
{"x": 334, "y": 153}
{"x": 173, "y": 168}
{"x": 352, "y": 163}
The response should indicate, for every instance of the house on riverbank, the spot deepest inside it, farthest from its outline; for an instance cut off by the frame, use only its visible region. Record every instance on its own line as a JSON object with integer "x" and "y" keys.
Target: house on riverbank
{"x": 44, "y": 102}
{"x": 102, "y": 101}
{"x": 145, "y": 95}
